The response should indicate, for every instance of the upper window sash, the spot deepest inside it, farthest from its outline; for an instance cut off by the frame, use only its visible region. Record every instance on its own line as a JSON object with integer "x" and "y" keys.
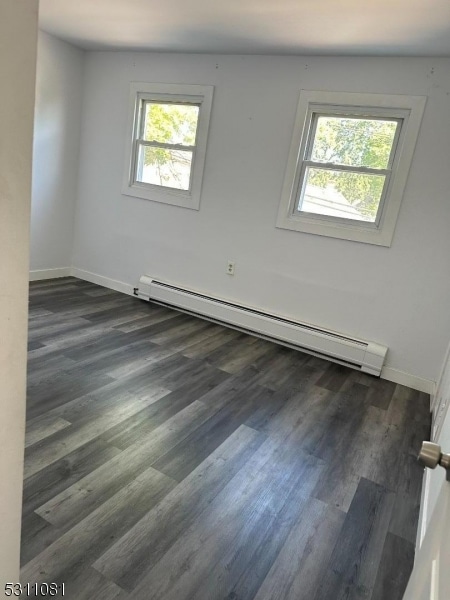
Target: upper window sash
{"x": 140, "y": 129}
{"x": 314, "y": 117}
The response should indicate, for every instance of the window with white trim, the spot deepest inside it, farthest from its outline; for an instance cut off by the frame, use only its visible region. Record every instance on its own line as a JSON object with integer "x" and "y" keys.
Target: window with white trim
{"x": 349, "y": 160}
{"x": 166, "y": 142}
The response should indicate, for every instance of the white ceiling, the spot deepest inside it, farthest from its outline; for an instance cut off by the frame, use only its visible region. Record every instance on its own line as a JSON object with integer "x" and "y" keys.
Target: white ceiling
{"x": 346, "y": 27}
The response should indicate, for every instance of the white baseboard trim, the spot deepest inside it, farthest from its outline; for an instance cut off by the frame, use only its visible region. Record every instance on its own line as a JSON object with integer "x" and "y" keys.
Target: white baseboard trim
{"x": 416, "y": 383}
{"x": 113, "y": 284}
{"x": 50, "y": 273}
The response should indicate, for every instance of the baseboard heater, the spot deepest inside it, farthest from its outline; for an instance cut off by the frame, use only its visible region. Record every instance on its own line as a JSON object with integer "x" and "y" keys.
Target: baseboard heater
{"x": 356, "y": 353}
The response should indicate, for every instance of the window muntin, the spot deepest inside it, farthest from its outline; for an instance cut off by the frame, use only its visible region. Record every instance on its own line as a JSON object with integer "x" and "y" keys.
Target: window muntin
{"x": 347, "y": 166}
{"x": 166, "y": 142}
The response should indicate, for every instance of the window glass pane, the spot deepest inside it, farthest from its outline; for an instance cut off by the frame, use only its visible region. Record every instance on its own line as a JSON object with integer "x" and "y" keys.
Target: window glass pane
{"x": 342, "y": 194}
{"x": 169, "y": 168}
{"x": 355, "y": 142}
{"x": 170, "y": 123}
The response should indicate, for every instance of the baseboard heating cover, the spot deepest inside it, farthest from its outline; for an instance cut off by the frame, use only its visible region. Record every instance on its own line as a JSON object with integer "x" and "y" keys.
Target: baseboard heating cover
{"x": 360, "y": 354}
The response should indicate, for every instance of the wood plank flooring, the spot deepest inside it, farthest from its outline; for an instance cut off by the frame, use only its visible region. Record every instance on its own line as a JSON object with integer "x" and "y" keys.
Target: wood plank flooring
{"x": 169, "y": 458}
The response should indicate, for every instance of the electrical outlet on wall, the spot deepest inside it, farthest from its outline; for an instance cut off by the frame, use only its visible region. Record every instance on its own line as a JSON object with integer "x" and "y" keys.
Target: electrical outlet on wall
{"x": 230, "y": 267}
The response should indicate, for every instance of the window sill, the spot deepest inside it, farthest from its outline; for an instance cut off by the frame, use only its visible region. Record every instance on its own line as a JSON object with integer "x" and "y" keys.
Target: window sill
{"x": 367, "y": 234}
{"x": 164, "y": 196}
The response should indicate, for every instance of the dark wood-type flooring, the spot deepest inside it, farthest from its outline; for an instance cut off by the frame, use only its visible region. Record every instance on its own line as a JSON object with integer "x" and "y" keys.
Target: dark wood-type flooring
{"x": 169, "y": 458}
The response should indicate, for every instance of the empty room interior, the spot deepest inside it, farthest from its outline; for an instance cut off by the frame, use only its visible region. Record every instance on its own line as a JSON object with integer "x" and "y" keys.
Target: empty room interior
{"x": 234, "y": 229}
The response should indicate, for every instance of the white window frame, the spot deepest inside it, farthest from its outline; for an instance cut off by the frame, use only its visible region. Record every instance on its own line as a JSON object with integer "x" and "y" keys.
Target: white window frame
{"x": 408, "y": 110}
{"x": 200, "y": 95}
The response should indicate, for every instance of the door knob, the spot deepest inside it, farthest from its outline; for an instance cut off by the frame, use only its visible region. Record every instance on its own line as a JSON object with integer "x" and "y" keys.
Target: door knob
{"x": 430, "y": 456}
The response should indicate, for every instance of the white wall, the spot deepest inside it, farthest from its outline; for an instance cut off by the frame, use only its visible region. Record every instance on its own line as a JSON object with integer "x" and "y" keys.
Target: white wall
{"x": 18, "y": 34}
{"x": 398, "y": 296}
{"x": 59, "y": 88}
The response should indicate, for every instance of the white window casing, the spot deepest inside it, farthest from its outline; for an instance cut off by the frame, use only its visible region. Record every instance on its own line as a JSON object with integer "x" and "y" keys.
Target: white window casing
{"x": 407, "y": 111}
{"x": 163, "y": 93}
